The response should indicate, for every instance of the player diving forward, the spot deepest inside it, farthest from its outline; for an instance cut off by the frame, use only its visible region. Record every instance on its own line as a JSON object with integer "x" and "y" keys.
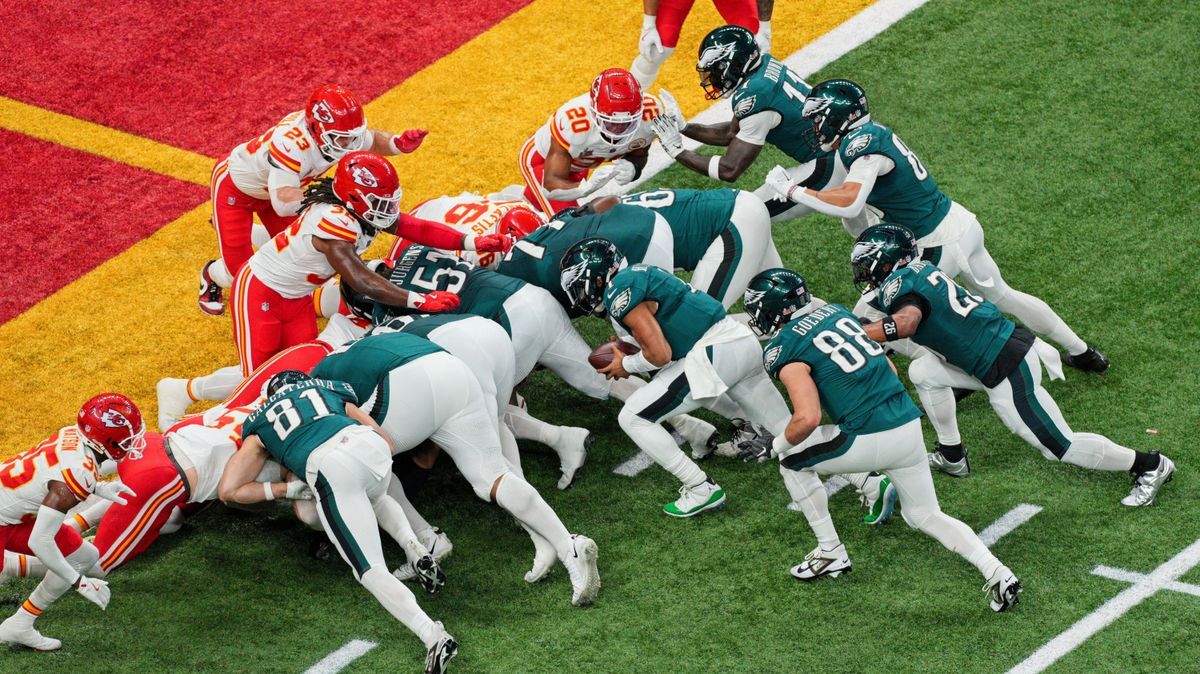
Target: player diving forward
{"x": 698, "y": 352}
{"x": 825, "y": 359}
{"x": 886, "y": 175}
{"x": 40, "y": 486}
{"x": 314, "y": 428}
{"x": 416, "y": 391}
{"x": 975, "y": 347}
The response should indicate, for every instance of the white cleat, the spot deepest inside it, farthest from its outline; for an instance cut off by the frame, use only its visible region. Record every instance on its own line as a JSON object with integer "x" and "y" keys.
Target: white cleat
{"x": 436, "y": 542}
{"x": 581, "y": 565}
{"x": 820, "y": 563}
{"x": 572, "y": 449}
{"x": 1004, "y": 589}
{"x": 544, "y": 557}
{"x": 173, "y": 401}
{"x": 438, "y": 657}
{"x": 26, "y": 635}
{"x": 878, "y": 494}
{"x": 700, "y": 435}
{"x": 1146, "y": 485}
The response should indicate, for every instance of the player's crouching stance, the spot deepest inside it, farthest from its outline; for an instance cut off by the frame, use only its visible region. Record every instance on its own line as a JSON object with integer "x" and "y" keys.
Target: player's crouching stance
{"x": 823, "y": 357}
{"x": 975, "y": 347}
{"x": 41, "y": 485}
{"x": 700, "y": 355}
{"x": 314, "y": 429}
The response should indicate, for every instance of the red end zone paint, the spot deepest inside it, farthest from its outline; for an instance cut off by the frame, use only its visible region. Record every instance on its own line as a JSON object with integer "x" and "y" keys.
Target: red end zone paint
{"x": 221, "y": 71}
{"x": 68, "y": 211}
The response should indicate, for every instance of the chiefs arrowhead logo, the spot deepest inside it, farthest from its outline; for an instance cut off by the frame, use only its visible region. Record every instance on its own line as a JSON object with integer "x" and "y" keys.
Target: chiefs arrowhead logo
{"x": 363, "y": 176}
{"x": 858, "y": 144}
{"x": 322, "y": 113}
{"x": 114, "y": 419}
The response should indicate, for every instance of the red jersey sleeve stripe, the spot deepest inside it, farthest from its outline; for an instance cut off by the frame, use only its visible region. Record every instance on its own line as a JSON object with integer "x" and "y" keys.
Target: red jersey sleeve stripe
{"x": 339, "y": 232}
{"x": 282, "y": 158}
{"x": 73, "y": 484}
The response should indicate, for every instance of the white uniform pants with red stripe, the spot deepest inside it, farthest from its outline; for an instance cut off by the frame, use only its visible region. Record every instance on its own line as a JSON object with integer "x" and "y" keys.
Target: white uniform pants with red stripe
{"x": 265, "y": 322}
{"x": 233, "y": 219}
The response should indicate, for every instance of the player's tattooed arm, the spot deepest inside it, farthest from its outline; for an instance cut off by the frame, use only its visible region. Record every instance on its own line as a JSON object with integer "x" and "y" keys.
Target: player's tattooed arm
{"x": 899, "y": 325}
{"x": 806, "y": 406}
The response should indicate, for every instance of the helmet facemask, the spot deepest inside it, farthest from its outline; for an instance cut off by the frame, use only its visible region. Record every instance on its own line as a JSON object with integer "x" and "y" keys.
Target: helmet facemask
{"x": 618, "y": 127}
{"x": 713, "y": 67}
{"x": 585, "y": 290}
{"x": 775, "y": 297}
{"x": 381, "y": 212}
{"x": 336, "y": 144}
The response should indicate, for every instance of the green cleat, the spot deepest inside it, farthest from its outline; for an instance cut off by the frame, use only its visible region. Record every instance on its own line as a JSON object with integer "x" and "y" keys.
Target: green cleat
{"x": 879, "y": 495}
{"x": 692, "y": 501}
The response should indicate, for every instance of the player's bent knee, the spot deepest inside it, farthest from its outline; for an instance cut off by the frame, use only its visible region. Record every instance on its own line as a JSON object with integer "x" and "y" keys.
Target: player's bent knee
{"x": 628, "y": 419}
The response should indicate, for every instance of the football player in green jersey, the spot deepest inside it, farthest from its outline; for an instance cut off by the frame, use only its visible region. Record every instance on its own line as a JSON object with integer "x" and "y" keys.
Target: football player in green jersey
{"x": 316, "y": 430}
{"x": 887, "y": 176}
{"x": 977, "y": 348}
{"x": 699, "y": 353}
{"x": 417, "y": 391}
{"x": 768, "y": 105}
{"x": 825, "y": 360}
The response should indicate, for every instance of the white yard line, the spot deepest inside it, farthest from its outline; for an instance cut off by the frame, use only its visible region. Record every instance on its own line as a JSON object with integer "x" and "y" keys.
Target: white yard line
{"x": 1145, "y": 586}
{"x": 339, "y": 659}
{"x": 1135, "y": 577}
{"x": 1008, "y": 521}
{"x": 831, "y": 46}
{"x": 636, "y": 464}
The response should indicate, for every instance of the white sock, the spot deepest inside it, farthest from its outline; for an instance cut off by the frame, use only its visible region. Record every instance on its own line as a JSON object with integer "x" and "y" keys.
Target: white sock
{"x": 942, "y": 410}
{"x": 1089, "y": 450}
{"x": 525, "y": 427}
{"x": 807, "y": 491}
{"x": 216, "y": 386}
{"x": 524, "y": 502}
{"x": 54, "y": 586}
{"x": 418, "y": 523}
{"x": 90, "y": 514}
{"x": 400, "y": 602}
{"x": 392, "y": 520}
{"x": 18, "y": 565}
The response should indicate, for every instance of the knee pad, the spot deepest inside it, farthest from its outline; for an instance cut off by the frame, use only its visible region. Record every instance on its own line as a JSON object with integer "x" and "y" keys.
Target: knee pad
{"x": 919, "y": 372}
{"x": 376, "y": 579}
{"x": 628, "y": 419}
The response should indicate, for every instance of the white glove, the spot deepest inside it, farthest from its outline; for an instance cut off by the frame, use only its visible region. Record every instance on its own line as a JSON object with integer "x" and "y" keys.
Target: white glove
{"x": 95, "y": 591}
{"x": 114, "y": 491}
{"x": 649, "y": 42}
{"x": 598, "y": 179}
{"x": 667, "y": 130}
{"x": 671, "y": 107}
{"x": 299, "y": 491}
{"x": 779, "y": 180}
{"x": 780, "y": 445}
{"x": 763, "y": 38}
{"x": 624, "y": 171}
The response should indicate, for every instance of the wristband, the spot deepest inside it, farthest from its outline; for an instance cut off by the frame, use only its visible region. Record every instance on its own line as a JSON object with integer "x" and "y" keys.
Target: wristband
{"x": 780, "y": 445}
{"x": 468, "y": 242}
{"x": 637, "y": 363}
{"x": 714, "y": 167}
{"x": 268, "y": 493}
{"x": 891, "y": 331}
{"x": 395, "y": 143}
{"x": 414, "y": 301}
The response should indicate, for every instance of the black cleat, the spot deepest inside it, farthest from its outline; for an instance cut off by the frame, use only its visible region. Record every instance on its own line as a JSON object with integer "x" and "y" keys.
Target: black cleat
{"x": 437, "y": 659}
{"x": 210, "y": 293}
{"x": 429, "y": 574}
{"x": 1092, "y": 360}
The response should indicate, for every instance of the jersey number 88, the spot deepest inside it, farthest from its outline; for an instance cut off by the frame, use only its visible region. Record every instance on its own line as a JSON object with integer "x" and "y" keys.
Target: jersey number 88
{"x": 840, "y": 345}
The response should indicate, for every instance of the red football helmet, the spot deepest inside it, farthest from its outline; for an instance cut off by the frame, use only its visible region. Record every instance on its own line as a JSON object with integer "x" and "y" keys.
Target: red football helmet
{"x": 616, "y": 104}
{"x": 367, "y": 184}
{"x": 336, "y": 120}
{"x": 112, "y": 426}
{"x": 519, "y": 222}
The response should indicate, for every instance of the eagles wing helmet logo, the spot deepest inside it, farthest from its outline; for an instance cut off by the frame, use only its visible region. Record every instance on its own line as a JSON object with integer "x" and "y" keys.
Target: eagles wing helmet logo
{"x": 620, "y": 303}
{"x": 753, "y": 296}
{"x": 858, "y": 144}
{"x": 744, "y": 106}
{"x": 864, "y": 249}
{"x": 715, "y": 53}
{"x": 322, "y": 112}
{"x": 771, "y": 356}
{"x": 888, "y": 292}
{"x": 814, "y": 105}
{"x": 363, "y": 176}
{"x": 570, "y": 275}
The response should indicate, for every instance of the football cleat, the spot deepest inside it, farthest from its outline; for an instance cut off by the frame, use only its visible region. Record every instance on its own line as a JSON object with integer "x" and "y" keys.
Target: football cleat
{"x": 820, "y": 563}
{"x": 581, "y": 566}
{"x": 1092, "y": 360}
{"x": 437, "y": 659}
{"x": 544, "y": 556}
{"x": 572, "y": 448}
{"x": 878, "y": 494}
{"x": 436, "y": 542}
{"x": 429, "y": 574}
{"x": 1004, "y": 589}
{"x": 744, "y": 432}
{"x": 16, "y": 634}
{"x": 173, "y": 401}
{"x": 210, "y": 293}
{"x": 694, "y": 500}
{"x": 1147, "y": 484}
{"x": 938, "y": 461}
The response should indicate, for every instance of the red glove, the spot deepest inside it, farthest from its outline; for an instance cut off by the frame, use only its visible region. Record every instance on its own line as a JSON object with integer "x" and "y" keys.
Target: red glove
{"x": 434, "y": 302}
{"x": 493, "y": 243}
{"x": 410, "y": 140}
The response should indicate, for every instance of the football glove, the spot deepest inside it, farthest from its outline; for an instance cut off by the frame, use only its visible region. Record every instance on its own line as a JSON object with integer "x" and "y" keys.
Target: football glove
{"x": 763, "y": 37}
{"x": 94, "y": 590}
{"x": 434, "y": 302}
{"x": 779, "y": 180}
{"x": 598, "y": 179}
{"x": 671, "y": 107}
{"x": 297, "y": 490}
{"x": 757, "y": 450}
{"x": 625, "y": 171}
{"x": 649, "y": 43}
{"x": 114, "y": 491}
{"x": 410, "y": 140}
{"x": 490, "y": 243}
{"x": 666, "y": 128}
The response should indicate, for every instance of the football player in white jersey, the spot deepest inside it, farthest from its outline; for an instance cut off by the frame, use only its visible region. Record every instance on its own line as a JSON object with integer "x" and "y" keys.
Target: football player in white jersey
{"x": 267, "y": 176}
{"x": 37, "y": 489}
{"x": 604, "y": 125}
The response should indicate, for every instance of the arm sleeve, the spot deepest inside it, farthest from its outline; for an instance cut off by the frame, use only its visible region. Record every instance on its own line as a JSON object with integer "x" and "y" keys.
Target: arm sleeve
{"x": 864, "y": 171}
{"x": 428, "y": 233}
{"x": 754, "y": 129}
{"x": 41, "y": 543}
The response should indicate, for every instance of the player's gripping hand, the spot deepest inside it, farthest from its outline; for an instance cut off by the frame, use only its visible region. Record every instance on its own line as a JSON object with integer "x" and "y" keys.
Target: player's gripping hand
{"x": 666, "y": 128}
{"x": 754, "y": 451}
{"x": 671, "y": 107}
{"x": 491, "y": 243}
{"x": 298, "y": 490}
{"x": 94, "y": 590}
{"x": 115, "y": 492}
{"x": 410, "y": 140}
{"x": 649, "y": 42}
{"x": 624, "y": 171}
{"x": 600, "y": 178}
{"x": 763, "y": 37}
{"x": 780, "y": 181}
{"x": 435, "y": 302}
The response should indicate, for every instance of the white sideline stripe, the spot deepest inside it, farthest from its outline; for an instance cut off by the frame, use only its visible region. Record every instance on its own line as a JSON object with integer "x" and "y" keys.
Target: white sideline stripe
{"x": 337, "y": 660}
{"x": 831, "y": 46}
{"x": 639, "y": 462}
{"x": 1135, "y": 577}
{"x": 1010, "y": 520}
{"x": 1147, "y": 585}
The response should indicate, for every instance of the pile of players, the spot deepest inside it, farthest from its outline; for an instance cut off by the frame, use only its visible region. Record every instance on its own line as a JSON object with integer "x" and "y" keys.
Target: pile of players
{"x": 423, "y": 349}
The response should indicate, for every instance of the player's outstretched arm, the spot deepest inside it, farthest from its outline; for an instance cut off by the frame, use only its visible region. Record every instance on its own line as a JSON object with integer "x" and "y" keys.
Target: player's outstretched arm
{"x": 806, "y": 407}
{"x": 728, "y": 167}
{"x": 345, "y": 260}
{"x": 900, "y": 325}
{"x": 844, "y": 201}
{"x": 237, "y": 483}
{"x": 385, "y": 143}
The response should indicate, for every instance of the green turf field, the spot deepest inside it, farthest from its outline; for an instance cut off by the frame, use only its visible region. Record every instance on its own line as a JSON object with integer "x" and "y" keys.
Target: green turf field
{"x": 1063, "y": 127}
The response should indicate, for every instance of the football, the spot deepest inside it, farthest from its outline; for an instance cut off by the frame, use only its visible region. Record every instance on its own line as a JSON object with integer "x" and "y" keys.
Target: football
{"x": 602, "y": 355}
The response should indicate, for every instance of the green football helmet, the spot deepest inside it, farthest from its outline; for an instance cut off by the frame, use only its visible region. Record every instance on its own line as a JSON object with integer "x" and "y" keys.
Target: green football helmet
{"x": 773, "y": 298}
{"x": 879, "y": 251}
{"x": 584, "y": 273}
{"x": 834, "y": 107}
{"x": 285, "y": 378}
{"x": 728, "y": 55}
